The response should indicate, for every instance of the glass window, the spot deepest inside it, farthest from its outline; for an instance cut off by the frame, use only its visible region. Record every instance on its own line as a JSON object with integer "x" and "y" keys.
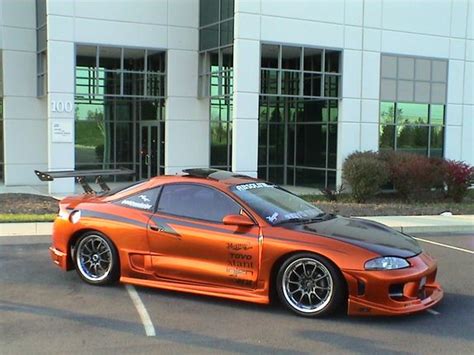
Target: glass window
{"x": 332, "y": 61}
{"x": 412, "y": 139}
{"x": 144, "y": 200}
{"x": 290, "y": 84}
{"x": 227, "y": 9}
{"x": 313, "y": 59}
{"x": 269, "y": 81}
{"x": 291, "y": 58}
{"x": 269, "y": 56}
{"x": 226, "y": 32}
{"x": 387, "y": 112}
{"x": 134, "y": 59}
{"x": 412, "y": 113}
{"x": 196, "y": 201}
{"x": 436, "y": 141}
{"x": 110, "y": 58}
{"x": 387, "y": 137}
{"x": 274, "y": 204}
{"x": 155, "y": 61}
{"x": 208, "y": 12}
{"x": 312, "y": 84}
{"x": 437, "y": 114}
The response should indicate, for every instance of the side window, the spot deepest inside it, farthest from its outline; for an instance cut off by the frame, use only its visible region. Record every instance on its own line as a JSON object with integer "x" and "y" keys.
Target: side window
{"x": 144, "y": 200}
{"x": 195, "y": 201}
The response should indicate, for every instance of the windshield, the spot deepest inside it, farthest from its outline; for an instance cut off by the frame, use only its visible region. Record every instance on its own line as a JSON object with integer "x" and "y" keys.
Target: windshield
{"x": 275, "y": 204}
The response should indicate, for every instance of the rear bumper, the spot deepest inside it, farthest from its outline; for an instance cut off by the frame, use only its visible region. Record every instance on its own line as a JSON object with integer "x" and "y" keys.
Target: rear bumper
{"x": 394, "y": 292}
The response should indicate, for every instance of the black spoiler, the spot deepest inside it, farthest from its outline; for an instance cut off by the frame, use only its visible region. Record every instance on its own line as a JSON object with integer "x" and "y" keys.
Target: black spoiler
{"x": 81, "y": 177}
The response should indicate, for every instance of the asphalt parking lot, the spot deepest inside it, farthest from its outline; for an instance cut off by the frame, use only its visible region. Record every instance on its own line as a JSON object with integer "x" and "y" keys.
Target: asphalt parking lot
{"x": 45, "y": 310}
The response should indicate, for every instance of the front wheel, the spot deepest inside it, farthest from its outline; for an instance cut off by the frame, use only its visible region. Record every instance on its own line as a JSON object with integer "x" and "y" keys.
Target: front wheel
{"x": 96, "y": 259}
{"x": 310, "y": 285}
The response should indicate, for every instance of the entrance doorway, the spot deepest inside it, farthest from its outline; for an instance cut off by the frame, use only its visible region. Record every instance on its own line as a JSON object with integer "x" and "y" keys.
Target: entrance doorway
{"x": 150, "y": 149}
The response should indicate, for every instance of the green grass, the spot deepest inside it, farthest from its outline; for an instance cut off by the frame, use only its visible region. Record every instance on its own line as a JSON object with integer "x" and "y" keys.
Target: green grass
{"x": 21, "y": 218}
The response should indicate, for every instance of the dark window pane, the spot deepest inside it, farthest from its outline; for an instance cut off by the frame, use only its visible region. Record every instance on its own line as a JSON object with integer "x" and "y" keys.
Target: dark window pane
{"x": 155, "y": 85}
{"x": 209, "y": 37}
{"x": 311, "y": 145}
{"x": 134, "y": 84}
{"x": 151, "y": 110}
{"x": 156, "y": 61}
{"x": 276, "y": 110}
{"x": 331, "y": 179}
{"x": 387, "y": 112}
{"x": 290, "y": 176}
{"x": 290, "y": 57}
{"x": 333, "y": 110}
{"x": 331, "y": 86}
{"x": 219, "y": 143}
{"x": 275, "y": 175}
{"x": 227, "y": 32}
{"x": 208, "y": 12}
{"x": 332, "y": 61}
{"x": 437, "y": 141}
{"x": 227, "y": 9}
{"x": 110, "y": 58}
{"x": 227, "y": 58}
{"x": 312, "y": 59}
{"x": 290, "y": 84}
{"x": 262, "y": 173}
{"x": 269, "y": 82}
{"x": 134, "y": 59}
{"x": 387, "y": 137}
{"x": 412, "y": 113}
{"x": 312, "y": 84}
{"x": 269, "y": 56}
{"x": 312, "y": 111}
{"x": 196, "y": 202}
{"x": 262, "y": 144}
{"x": 86, "y": 56}
{"x": 276, "y": 147}
{"x": 437, "y": 114}
{"x": 332, "y": 146}
{"x": 412, "y": 139}
{"x": 109, "y": 82}
{"x": 263, "y": 109}
{"x": 310, "y": 178}
{"x": 290, "y": 149}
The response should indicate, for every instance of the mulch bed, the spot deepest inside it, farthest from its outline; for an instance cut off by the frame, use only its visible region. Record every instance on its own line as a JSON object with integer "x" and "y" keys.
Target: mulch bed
{"x": 36, "y": 204}
{"x": 27, "y": 204}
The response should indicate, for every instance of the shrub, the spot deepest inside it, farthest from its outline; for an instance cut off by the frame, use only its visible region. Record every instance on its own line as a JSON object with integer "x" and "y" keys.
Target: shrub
{"x": 414, "y": 175}
{"x": 458, "y": 176}
{"x": 365, "y": 173}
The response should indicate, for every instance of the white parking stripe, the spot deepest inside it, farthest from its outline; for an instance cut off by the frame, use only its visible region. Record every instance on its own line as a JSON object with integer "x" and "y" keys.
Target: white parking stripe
{"x": 142, "y": 312}
{"x": 446, "y": 245}
{"x": 432, "y": 311}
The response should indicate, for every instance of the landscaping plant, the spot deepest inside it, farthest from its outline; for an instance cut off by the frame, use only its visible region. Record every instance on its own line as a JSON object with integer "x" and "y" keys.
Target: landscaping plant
{"x": 366, "y": 173}
{"x": 458, "y": 177}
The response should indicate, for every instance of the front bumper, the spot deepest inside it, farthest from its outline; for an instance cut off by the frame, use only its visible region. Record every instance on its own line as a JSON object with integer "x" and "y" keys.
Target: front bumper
{"x": 372, "y": 292}
{"x": 58, "y": 257}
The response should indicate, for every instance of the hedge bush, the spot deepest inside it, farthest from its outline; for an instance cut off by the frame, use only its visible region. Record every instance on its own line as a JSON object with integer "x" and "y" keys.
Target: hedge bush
{"x": 366, "y": 173}
{"x": 414, "y": 175}
{"x": 458, "y": 176}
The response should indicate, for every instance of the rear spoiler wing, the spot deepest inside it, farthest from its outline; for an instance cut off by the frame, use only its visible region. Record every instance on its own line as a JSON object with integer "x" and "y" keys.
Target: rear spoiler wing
{"x": 81, "y": 176}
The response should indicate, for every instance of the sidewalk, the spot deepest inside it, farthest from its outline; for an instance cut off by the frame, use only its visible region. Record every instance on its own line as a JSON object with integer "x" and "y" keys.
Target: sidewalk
{"x": 406, "y": 224}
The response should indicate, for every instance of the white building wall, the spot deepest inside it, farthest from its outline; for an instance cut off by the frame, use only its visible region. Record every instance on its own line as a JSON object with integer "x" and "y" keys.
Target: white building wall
{"x": 364, "y": 30}
{"x": 24, "y": 115}
{"x": 170, "y": 25}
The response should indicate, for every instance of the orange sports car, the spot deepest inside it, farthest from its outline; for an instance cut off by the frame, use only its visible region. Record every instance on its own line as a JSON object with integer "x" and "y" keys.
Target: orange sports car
{"x": 217, "y": 233}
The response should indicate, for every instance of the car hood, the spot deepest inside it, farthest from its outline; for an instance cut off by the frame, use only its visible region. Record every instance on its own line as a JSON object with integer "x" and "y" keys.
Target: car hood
{"x": 369, "y": 235}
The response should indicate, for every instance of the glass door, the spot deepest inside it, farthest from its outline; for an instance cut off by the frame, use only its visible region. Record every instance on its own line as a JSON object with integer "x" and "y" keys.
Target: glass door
{"x": 149, "y": 149}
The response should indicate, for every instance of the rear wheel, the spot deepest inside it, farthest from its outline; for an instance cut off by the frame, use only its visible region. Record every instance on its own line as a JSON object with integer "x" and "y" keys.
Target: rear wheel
{"x": 96, "y": 259}
{"x": 310, "y": 285}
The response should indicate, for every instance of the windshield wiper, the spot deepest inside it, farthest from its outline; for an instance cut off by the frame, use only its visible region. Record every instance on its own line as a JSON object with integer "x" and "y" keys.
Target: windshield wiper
{"x": 318, "y": 217}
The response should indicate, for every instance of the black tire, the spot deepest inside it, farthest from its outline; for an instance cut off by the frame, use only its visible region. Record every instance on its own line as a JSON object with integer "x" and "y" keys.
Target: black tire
{"x": 96, "y": 259}
{"x": 310, "y": 285}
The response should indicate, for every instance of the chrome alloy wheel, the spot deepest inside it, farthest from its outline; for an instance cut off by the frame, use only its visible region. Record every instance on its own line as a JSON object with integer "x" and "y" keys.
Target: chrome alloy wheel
{"x": 94, "y": 258}
{"x": 307, "y": 285}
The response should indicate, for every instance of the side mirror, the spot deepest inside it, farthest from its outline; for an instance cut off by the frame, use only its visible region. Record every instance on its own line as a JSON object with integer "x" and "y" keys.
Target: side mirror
{"x": 238, "y": 220}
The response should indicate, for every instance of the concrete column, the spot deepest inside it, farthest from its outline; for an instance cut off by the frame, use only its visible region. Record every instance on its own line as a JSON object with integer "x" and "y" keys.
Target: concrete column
{"x": 246, "y": 92}
{"x": 61, "y": 86}
{"x": 24, "y": 114}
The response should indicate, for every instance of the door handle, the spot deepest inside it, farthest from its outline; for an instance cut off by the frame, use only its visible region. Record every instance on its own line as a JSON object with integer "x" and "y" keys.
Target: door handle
{"x": 155, "y": 228}
{"x": 147, "y": 159}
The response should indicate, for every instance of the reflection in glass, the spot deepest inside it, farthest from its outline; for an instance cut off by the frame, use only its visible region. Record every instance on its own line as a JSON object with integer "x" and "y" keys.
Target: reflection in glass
{"x": 269, "y": 82}
{"x": 291, "y": 57}
{"x": 412, "y": 139}
{"x": 290, "y": 83}
{"x": 226, "y": 32}
{"x": 313, "y": 59}
{"x": 209, "y": 37}
{"x": 437, "y": 141}
{"x": 387, "y": 113}
{"x": 437, "y": 114}
{"x": 312, "y": 84}
{"x": 269, "y": 56}
{"x": 208, "y": 12}
{"x": 387, "y": 137}
{"x": 412, "y": 113}
{"x": 332, "y": 61}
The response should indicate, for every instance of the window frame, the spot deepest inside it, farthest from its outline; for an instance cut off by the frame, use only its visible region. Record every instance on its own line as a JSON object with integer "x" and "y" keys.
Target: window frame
{"x": 229, "y": 196}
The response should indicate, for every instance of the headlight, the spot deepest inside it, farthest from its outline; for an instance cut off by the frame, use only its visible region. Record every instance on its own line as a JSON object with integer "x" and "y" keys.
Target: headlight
{"x": 386, "y": 263}
{"x": 75, "y": 216}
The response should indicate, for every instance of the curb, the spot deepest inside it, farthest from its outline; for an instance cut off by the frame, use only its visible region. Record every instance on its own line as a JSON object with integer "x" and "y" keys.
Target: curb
{"x": 29, "y": 229}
